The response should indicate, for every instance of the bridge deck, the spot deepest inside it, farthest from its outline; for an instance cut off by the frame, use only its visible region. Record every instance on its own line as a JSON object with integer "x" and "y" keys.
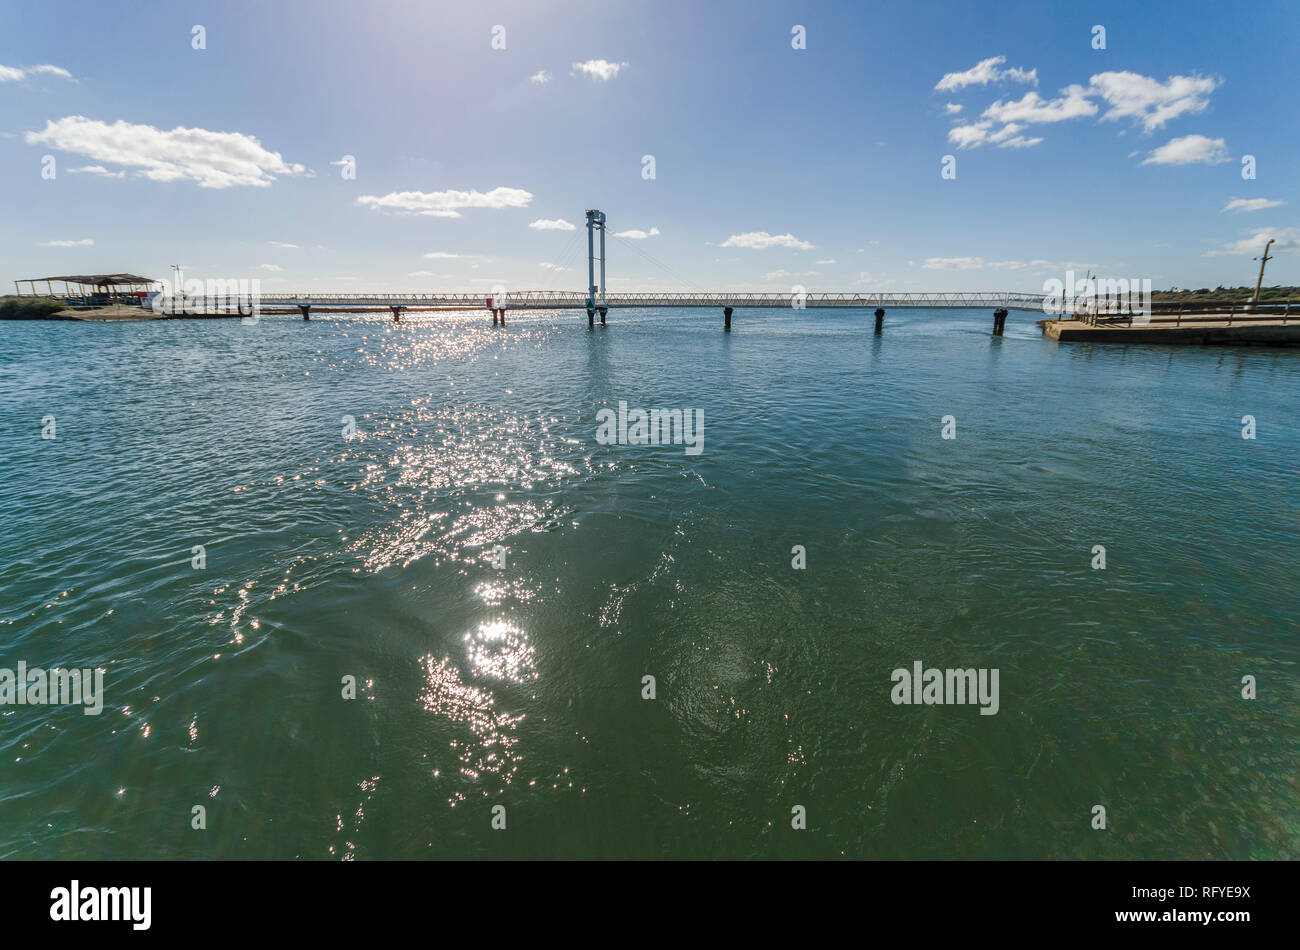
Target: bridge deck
{"x": 565, "y": 300}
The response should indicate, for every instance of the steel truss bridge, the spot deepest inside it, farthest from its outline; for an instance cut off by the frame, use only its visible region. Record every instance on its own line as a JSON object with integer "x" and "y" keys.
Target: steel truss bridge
{"x": 576, "y": 300}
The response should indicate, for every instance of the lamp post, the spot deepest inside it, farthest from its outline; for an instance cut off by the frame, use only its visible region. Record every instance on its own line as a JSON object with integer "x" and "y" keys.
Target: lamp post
{"x": 179, "y": 288}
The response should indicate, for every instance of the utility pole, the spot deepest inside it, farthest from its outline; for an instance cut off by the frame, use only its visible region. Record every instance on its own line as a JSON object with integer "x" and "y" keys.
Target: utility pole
{"x": 1264, "y": 259}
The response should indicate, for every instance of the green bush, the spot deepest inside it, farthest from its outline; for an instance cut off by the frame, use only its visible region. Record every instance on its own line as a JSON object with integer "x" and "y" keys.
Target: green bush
{"x": 28, "y": 308}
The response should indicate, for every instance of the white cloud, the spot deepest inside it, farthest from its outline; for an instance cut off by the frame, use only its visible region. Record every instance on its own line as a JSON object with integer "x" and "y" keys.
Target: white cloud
{"x": 978, "y": 133}
{"x": 1038, "y": 265}
{"x": 1189, "y": 150}
{"x": 551, "y": 224}
{"x": 875, "y": 281}
{"x": 637, "y": 235}
{"x": 1072, "y": 103}
{"x": 970, "y": 263}
{"x": 282, "y": 244}
{"x": 1006, "y": 132}
{"x": 1250, "y": 204}
{"x": 547, "y": 265}
{"x": 99, "y": 170}
{"x": 600, "y": 70}
{"x": 1131, "y": 95}
{"x": 1286, "y": 240}
{"x": 440, "y": 256}
{"x": 271, "y": 267}
{"x": 19, "y": 73}
{"x": 84, "y": 242}
{"x": 758, "y": 240}
{"x": 212, "y": 159}
{"x": 983, "y": 73}
{"x": 952, "y": 108}
{"x": 48, "y": 70}
{"x": 832, "y": 261}
{"x": 444, "y": 204}
{"x": 540, "y": 77}
{"x": 1019, "y": 141}
{"x": 778, "y": 274}
{"x": 970, "y": 136}
{"x": 1126, "y": 94}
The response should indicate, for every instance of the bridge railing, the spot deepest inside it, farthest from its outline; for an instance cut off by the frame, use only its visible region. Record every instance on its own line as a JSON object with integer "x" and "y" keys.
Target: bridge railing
{"x": 1169, "y": 313}
{"x": 537, "y": 299}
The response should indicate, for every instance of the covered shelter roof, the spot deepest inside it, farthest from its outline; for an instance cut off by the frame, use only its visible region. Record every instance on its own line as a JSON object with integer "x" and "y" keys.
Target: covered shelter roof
{"x": 97, "y": 280}
{"x": 88, "y": 285}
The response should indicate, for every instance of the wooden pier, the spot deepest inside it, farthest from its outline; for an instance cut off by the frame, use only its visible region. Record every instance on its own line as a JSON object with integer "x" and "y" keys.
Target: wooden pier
{"x": 1262, "y": 325}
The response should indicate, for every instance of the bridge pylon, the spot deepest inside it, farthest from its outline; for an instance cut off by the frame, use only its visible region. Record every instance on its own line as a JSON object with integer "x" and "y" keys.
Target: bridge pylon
{"x": 595, "y": 294}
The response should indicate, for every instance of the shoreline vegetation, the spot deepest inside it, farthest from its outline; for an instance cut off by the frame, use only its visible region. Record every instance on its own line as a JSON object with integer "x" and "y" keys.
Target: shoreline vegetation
{"x": 1225, "y": 295}
{"x": 47, "y": 308}
{"x": 29, "y": 308}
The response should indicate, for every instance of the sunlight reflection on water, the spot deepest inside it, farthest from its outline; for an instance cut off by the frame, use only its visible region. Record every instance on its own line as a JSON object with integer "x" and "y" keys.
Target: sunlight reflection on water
{"x": 370, "y": 557}
{"x": 491, "y": 745}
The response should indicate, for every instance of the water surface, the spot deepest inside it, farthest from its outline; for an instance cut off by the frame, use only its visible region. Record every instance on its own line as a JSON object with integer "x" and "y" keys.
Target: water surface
{"x": 329, "y": 557}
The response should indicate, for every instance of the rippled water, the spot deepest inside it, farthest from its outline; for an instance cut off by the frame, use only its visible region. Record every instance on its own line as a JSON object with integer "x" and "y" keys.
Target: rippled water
{"x": 329, "y": 557}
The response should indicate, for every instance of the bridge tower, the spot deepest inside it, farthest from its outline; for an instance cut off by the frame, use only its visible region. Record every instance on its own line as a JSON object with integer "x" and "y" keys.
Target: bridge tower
{"x": 595, "y": 295}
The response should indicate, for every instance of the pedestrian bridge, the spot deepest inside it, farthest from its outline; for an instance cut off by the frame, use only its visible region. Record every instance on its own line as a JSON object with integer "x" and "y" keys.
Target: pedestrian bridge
{"x": 576, "y": 300}
{"x": 498, "y": 303}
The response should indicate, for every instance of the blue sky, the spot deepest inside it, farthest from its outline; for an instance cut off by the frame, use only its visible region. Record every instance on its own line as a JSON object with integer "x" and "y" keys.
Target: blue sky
{"x": 774, "y": 166}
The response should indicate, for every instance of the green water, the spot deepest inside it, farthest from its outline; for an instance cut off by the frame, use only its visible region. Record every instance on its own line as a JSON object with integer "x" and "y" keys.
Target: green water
{"x": 522, "y": 686}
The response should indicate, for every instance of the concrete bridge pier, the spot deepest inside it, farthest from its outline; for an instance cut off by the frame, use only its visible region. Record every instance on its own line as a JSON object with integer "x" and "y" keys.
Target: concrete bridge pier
{"x": 880, "y": 319}
{"x": 306, "y": 310}
{"x": 397, "y": 312}
{"x": 591, "y": 317}
{"x": 999, "y": 321}
{"x": 502, "y": 312}
{"x": 603, "y": 311}
{"x": 726, "y": 318}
